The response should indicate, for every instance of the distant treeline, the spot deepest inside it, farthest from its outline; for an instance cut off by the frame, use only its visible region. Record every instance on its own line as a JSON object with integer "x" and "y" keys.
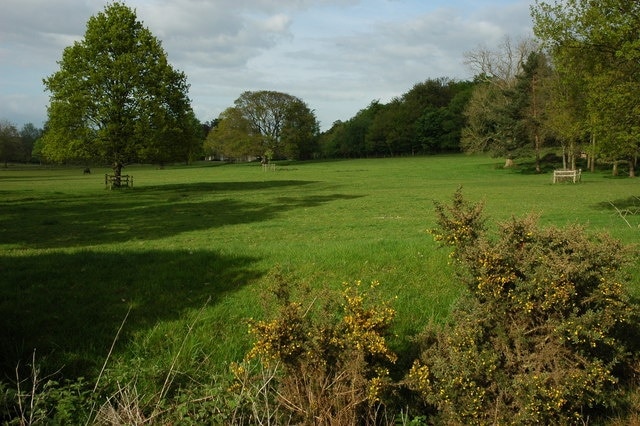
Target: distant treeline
{"x": 428, "y": 119}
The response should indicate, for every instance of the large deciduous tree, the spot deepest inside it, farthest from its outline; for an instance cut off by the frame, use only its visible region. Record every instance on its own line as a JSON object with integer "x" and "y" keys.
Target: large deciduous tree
{"x": 116, "y": 98}
{"x": 283, "y": 123}
{"x": 488, "y": 126}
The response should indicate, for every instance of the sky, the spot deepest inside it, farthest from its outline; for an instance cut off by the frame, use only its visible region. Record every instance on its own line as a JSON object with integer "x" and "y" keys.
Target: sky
{"x": 336, "y": 55}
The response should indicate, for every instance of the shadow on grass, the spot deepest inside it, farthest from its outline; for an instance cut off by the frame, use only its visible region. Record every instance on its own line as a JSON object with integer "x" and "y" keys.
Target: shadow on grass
{"x": 142, "y": 214}
{"x": 548, "y": 163}
{"x": 208, "y": 187}
{"x": 70, "y": 306}
{"x": 630, "y": 205}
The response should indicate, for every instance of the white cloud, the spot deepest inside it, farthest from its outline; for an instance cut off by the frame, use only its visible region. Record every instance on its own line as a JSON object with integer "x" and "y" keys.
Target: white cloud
{"x": 337, "y": 55}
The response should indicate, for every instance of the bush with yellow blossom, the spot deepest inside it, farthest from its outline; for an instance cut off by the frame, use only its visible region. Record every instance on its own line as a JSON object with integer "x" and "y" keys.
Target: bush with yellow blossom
{"x": 329, "y": 364}
{"x": 544, "y": 334}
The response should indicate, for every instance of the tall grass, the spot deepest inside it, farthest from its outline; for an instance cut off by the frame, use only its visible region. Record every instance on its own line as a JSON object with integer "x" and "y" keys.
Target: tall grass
{"x": 190, "y": 249}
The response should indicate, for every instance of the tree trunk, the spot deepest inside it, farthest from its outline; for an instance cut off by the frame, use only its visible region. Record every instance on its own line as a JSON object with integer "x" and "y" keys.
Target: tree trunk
{"x": 632, "y": 168}
{"x": 536, "y": 137}
{"x": 572, "y": 156}
{"x": 593, "y": 153}
{"x": 117, "y": 172}
{"x": 537, "y": 144}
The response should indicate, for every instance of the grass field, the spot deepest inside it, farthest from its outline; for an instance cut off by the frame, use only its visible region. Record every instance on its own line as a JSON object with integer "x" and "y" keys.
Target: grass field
{"x": 187, "y": 253}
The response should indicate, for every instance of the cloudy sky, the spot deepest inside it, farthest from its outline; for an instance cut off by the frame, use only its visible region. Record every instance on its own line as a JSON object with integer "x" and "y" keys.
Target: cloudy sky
{"x": 336, "y": 55}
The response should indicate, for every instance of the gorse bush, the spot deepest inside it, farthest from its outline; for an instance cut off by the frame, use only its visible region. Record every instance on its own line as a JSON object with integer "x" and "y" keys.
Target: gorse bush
{"x": 326, "y": 365}
{"x": 543, "y": 334}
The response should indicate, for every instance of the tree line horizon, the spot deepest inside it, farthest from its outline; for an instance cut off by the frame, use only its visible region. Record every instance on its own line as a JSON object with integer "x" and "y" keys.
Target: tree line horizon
{"x": 116, "y": 100}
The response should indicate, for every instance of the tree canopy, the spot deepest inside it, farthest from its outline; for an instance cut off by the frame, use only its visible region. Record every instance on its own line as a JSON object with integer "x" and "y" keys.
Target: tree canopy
{"x": 426, "y": 119}
{"x": 117, "y": 99}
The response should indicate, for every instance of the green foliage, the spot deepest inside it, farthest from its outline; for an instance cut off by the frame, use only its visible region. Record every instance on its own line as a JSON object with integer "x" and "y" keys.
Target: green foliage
{"x": 349, "y": 139}
{"x": 29, "y": 134}
{"x": 38, "y": 400}
{"x": 487, "y": 126}
{"x": 17, "y": 146}
{"x": 545, "y": 332}
{"x": 264, "y": 121}
{"x": 505, "y": 114}
{"x": 329, "y": 366}
{"x": 232, "y": 137}
{"x": 426, "y": 119}
{"x": 116, "y": 99}
{"x": 9, "y": 142}
{"x": 300, "y": 132}
{"x": 596, "y": 45}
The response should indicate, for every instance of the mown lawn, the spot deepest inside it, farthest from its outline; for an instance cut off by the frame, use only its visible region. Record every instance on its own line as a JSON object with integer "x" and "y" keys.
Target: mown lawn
{"x": 186, "y": 255}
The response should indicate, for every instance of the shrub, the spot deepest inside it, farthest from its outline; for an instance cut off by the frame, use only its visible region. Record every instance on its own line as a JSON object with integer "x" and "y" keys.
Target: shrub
{"x": 543, "y": 334}
{"x": 45, "y": 401}
{"x": 319, "y": 367}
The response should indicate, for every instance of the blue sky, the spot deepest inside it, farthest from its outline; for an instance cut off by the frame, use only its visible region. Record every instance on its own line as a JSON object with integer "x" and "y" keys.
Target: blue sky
{"x": 336, "y": 55}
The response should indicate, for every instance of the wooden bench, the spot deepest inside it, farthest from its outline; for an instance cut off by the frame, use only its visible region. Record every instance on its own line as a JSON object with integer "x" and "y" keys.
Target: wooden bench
{"x": 573, "y": 175}
{"x": 112, "y": 180}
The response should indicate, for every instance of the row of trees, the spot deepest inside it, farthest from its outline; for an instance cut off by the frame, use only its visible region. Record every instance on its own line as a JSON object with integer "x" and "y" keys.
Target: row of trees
{"x": 426, "y": 119}
{"x": 576, "y": 87}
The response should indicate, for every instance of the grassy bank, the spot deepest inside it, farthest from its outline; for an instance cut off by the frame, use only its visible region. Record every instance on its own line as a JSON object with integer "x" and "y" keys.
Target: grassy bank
{"x": 186, "y": 254}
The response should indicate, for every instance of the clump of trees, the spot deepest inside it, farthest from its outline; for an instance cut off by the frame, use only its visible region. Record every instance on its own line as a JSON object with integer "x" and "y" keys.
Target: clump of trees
{"x": 594, "y": 48}
{"x": 265, "y": 124}
{"x": 508, "y": 107}
{"x": 576, "y": 87}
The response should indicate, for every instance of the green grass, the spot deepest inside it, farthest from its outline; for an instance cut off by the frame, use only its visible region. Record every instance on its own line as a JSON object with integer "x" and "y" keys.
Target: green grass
{"x": 188, "y": 251}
